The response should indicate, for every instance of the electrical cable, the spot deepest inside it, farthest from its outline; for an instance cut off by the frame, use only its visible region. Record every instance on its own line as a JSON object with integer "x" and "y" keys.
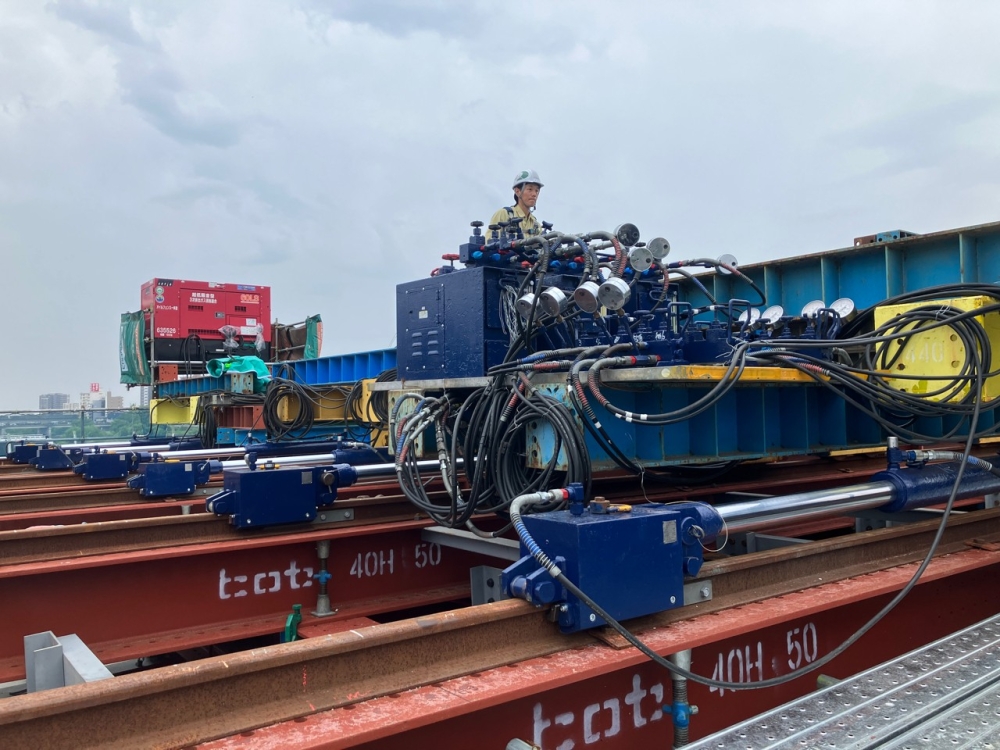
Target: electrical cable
{"x": 822, "y": 661}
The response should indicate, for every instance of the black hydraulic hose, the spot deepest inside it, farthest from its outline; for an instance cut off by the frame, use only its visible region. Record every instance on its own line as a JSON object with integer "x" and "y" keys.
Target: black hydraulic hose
{"x": 713, "y": 263}
{"x": 575, "y": 591}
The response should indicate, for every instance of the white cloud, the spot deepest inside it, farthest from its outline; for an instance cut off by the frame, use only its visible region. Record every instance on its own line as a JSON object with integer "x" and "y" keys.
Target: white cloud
{"x": 333, "y": 150}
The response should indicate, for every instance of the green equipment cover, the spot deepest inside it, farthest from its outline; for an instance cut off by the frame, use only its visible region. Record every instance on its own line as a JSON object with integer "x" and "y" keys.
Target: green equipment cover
{"x": 216, "y": 368}
{"x": 135, "y": 368}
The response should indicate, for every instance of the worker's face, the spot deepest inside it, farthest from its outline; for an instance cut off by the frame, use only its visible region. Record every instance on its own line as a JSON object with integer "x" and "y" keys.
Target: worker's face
{"x": 528, "y": 194}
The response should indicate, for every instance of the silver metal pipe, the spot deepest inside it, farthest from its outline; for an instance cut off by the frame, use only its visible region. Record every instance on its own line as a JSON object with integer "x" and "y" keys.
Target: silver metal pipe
{"x": 313, "y": 458}
{"x": 105, "y": 444}
{"x": 752, "y": 515}
{"x": 197, "y": 453}
{"x": 381, "y": 470}
{"x": 120, "y": 447}
{"x": 365, "y": 470}
{"x": 165, "y": 448}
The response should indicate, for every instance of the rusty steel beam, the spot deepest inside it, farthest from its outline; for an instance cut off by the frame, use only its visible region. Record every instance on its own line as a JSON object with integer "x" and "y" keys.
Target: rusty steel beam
{"x": 466, "y": 656}
{"x": 149, "y": 601}
{"x": 131, "y": 534}
{"x": 31, "y": 479}
{"x": 34, "y": 501}
{"x": 612, "y": 698}
{"x": 24, "y": 585}
{"x": 97, "y": 514}
{"x": 297, "y": 677}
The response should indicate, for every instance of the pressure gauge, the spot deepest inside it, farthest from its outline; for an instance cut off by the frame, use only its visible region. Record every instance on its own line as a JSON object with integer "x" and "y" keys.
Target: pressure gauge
{"x": 810, "y": 309}
{"x": 658, "y": 247}
{"x": 614, "y": 293}
{"x": 553, "y": 301}
{"x": 727, "y": 260}
{"x": 586, "y": 298}
{"x": 640, "y": 259}
{"x": 773, "y": 314}
{"x": 752, "y": 313}
{"x": 845, "y": 308}
{"x": 525, "y": 304}
{"x": 627, "y": 234}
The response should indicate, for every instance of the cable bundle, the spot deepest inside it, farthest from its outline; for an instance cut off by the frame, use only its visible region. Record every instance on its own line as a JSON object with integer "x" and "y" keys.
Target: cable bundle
{"x": 865, "y": 385}
{"x": 491, "y": 426}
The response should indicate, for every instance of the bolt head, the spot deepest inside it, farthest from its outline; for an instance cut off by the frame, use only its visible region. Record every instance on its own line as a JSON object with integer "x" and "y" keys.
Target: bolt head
{"x": 673, "y": 600}
{"x": 705, "y": 592}
{"x": 593, "y": 617}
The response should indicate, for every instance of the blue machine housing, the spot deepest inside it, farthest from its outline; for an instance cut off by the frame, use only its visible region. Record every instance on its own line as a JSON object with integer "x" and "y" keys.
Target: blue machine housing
{"x": 918, "y": 486}
{"x": 22, "y": 452}
{"x": 631, "y": 563}
{"x": 271, "y": 496}
{"x": 54, "y": 458}
{"x": 448, "y": 326}
{"x": 96, "y": 467}
{"x": 168, "y": 478}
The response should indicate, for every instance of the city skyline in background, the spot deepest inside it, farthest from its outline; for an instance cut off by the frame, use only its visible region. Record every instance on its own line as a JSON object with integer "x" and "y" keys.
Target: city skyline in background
{"x": 92, "y": 398}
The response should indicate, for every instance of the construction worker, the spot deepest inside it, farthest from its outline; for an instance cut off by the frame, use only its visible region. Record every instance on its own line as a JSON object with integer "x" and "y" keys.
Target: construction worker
{"x": 526, "y": 188}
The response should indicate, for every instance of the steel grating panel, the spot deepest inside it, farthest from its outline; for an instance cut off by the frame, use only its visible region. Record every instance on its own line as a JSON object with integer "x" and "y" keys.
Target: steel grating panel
{"x": 945, "y": 694}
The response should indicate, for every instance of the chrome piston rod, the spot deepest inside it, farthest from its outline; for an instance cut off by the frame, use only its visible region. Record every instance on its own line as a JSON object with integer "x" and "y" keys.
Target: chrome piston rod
{"x": 751, "y": 515}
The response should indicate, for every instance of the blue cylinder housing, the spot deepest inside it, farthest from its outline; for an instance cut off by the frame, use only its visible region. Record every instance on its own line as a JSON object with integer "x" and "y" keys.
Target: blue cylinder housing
{"x": 920, "y": 486}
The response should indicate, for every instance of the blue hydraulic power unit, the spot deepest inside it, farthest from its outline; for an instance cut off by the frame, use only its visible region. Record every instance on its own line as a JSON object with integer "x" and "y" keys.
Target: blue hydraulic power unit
{"x": 448, "y": 326}
{"x": 631, "y": 561}
{"x": 165, "y": 478}
{"x": 271, "y": 495}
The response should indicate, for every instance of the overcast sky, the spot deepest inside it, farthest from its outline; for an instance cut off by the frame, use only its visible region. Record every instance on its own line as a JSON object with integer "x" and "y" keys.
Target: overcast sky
{"x": 334, "y": 149}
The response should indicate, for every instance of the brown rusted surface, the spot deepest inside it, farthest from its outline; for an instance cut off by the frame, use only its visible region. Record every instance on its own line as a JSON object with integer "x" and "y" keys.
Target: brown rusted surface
{"x": 33, "y": 501}
{"x": 28, "y": 519}
{"x": 773, "y": 573}
{"x": 181, "y": 705}
{"x": 188, "y": 590}
{"x": 30, "y": 479}
{"x": 595, "y": 696}
{"x": 228, "y": 695}
{"x": 81, "y": 540}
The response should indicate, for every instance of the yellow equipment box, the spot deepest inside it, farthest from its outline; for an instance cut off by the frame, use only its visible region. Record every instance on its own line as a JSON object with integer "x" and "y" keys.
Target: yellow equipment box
{"x": 938, "y": 352}
{"x": 173, "y": 410}
{"x": 330, "y": 405}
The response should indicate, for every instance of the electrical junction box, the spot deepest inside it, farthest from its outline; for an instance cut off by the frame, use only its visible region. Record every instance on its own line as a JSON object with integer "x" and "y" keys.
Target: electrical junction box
{"x": 939, "y": 351}
{"x": 182, "y": 310}
{"x": 448, "y": 326}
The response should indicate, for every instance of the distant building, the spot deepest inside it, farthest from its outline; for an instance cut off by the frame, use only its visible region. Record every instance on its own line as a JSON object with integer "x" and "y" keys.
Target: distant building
{"x": 53, "y": 401}
{"x": 115, "y": 402}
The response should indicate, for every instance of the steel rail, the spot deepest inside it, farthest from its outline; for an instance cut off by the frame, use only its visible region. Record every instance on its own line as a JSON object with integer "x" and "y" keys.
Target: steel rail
{"x": 92, "y": 500}
{"x": 129, "y": 532}
{"x": 100, "y": 513}
{"x": 264, "y": 686}
{"x": 153, "y": 601}
{"x": 31, "y": 479}
{"x": 33, "y": 545}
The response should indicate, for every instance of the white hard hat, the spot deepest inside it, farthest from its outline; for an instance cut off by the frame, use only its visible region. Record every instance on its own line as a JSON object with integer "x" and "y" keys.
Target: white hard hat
{"x": 527, "y": 175}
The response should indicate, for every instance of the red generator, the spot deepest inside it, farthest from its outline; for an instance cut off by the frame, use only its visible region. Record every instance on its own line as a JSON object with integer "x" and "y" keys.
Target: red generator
{"x": 191, "y": 322}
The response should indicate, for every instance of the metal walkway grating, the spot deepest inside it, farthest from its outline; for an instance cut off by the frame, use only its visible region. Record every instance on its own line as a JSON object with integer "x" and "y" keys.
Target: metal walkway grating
{"x": 943, "y": 695}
